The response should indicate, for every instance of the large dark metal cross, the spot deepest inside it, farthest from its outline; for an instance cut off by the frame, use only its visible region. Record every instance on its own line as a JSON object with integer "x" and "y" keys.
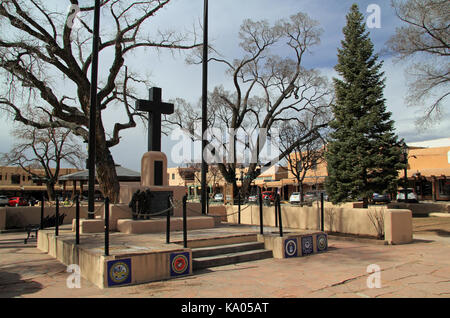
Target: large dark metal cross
{"x": 155, "y": 107}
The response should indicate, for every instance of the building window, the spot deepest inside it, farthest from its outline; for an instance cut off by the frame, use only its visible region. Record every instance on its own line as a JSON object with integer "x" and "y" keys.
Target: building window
{"x": 427, "y": 188}
{"x": 15, "y": 179}
{"x": 23, "y": 178}
{"x": 1, "y": 177}
{"x": 444, "y": 187}
{"x": 173, "y": 176}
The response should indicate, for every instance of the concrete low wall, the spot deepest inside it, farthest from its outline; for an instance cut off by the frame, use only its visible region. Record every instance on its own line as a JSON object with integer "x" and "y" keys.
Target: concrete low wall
{"x": 144, "y": 267}
{"x": 128, "y": 226}
{"x": 422, "y": 208}
{"x": 2, "y": 218}
{"x": 20, "y": 217}
{"x": 394, "y": 224}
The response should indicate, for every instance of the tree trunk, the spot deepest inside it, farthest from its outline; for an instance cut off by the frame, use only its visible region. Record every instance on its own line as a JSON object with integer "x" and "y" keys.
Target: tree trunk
{"x": 244, "y": 187}
{"x": 51, "y": 191}
{"x": 106, "y": 169}
{"x": 365, "y": 203}
{"x": 300, "y": 188}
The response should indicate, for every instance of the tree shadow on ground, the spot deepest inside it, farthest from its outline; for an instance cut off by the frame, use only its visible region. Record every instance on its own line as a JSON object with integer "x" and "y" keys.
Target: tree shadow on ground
{"x": 19, "y": 242}
{"x": 442, "y": 233}
{"x": 421, "y": 241}
{"x": 11, "y": 285}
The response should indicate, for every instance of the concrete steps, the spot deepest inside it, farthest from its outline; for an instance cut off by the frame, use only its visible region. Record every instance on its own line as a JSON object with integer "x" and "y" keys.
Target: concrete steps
{"x": 220, "y": 255}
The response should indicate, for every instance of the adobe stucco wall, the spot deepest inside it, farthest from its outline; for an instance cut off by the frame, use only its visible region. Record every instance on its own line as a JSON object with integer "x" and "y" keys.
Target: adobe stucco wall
{"x": 396, "y": 225}
{"x": 19, "y": 217}
{"x": 2, "y": 218}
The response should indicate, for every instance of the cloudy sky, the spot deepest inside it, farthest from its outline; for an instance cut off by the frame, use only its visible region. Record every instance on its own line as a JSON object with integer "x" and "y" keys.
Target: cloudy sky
{"x": 177, "y": 79}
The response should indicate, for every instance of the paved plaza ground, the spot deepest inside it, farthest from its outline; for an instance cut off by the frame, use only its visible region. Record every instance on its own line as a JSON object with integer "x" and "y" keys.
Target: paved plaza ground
{"x": 419, "y": 269}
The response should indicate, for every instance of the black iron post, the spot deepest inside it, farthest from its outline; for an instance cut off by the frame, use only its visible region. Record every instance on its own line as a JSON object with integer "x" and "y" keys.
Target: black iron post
{"x": 278, "y": 204}
{"x": 204, "y": 103}
{"x": 322, "y": 227}
{"x": 276, "y": 211}
{"x": 207, "y": 203}
{"x": 239, "y": 207}
{"x": 42, "y": 212}
{"x": 77, "y": 220}
{"x": 184, "y": 221}
{"x": 106, "y": 226}
{"x": 168, "y": 222}
{"x": 57, "y": 217}
{"x": 261, "y": 226}
{"x": 93, "y": 111}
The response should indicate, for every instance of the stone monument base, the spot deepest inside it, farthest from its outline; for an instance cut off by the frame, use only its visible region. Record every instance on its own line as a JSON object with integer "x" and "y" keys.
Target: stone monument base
{"x": 90, "y": 225}
{"x": 294, "y": 244}
{"x": 127, "y": 191}
{"x": 156, "y": 225}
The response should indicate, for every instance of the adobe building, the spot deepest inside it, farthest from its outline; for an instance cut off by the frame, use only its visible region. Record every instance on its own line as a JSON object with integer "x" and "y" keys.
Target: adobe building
{"x": 428, "y": 173}
{"x": 429, "y": 169}
{"x": 77, "y": 182}
{"x": 14, "y": 181}
{"x": 190, "y": 177}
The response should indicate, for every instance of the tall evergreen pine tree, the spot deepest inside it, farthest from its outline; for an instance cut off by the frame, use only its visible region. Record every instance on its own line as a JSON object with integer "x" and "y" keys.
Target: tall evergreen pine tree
{"x": 363, "y": 155}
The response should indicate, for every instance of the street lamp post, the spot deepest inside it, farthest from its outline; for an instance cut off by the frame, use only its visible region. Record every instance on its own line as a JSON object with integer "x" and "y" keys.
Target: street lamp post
{"x": 93, "y": 110}
{"x": 405, "y": 179}
{"x": 204, "y": 103}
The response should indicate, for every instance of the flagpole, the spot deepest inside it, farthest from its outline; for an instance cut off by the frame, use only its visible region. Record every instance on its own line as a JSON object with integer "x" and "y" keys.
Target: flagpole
{"x": 204, "y": 192}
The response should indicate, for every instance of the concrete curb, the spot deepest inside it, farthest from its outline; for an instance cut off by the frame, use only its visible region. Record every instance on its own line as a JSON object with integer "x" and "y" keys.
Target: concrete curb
{"x": 357, "y": 239}
{"x": 440, "y": 214}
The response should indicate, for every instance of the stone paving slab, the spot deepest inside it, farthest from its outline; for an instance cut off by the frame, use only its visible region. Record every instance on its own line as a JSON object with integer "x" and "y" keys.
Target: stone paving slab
{"x": 419, "y": 269}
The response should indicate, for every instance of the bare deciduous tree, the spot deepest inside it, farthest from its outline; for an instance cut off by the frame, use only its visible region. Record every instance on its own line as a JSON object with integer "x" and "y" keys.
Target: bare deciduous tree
{"x": 45, "y": 61}
{"x": 267, "y": 89}
{"x": 192, "y": 172}
{"x": 46, "y": 149}
{"x": 425, "y": 40}
{"x": 306, "y": 155}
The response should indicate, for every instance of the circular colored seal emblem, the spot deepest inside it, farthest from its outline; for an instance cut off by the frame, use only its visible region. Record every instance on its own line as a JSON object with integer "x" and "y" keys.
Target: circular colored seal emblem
{"x": 291, "y": 248}
{"x": 322, "y": 243}
{"x": 119, "y": 272}
{"x": 180, "y": 264}
{"x": 307, "y": 245}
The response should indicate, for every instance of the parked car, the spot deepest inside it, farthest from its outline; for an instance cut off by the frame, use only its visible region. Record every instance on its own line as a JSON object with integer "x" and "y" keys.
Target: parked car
{"x": 32, "y": 201}
{"x": 410, "y": 196}
{"x": 218, "y": 197}
{"x": 17, "y": 201}
{"x": 384, "y": 198}
{"x": 294, "y": 198}
{"x": 310, "y": 196}
{"x": 4, "y": 200}
{"x": 253, "y": 198}
{"x": 98, "y": 197}
{"x": 325, "y": 196}
{"x": 268, "y": 195}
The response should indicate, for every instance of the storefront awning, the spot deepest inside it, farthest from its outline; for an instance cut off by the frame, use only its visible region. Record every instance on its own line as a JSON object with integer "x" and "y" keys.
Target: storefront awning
{"x": 427, "y": 173}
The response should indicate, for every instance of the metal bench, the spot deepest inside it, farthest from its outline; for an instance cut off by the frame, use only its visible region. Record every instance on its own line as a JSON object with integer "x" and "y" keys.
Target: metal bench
{"x": 32, "y": 228}
{"x": 48, "y": 221}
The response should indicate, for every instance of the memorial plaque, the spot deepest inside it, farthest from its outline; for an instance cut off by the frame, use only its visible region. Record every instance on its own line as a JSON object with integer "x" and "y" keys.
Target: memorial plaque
{"x": 160, "y": 201}
{"x": 158, "y": 173}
